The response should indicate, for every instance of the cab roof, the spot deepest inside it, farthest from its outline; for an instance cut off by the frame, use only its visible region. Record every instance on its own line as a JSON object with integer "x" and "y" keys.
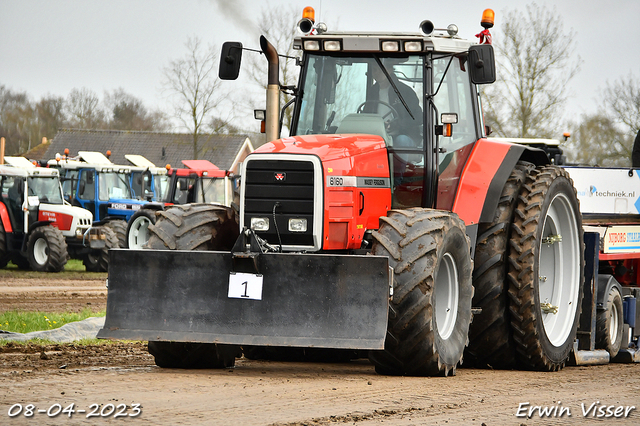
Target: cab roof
{"x": 438, "y": 40}
{"x": 7, "y": 170}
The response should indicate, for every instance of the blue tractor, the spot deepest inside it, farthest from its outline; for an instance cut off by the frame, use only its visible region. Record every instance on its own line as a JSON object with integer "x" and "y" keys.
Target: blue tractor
{"x": 93, "y": 182}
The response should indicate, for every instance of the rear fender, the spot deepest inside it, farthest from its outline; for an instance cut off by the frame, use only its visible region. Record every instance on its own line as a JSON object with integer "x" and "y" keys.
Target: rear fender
{"x": 486, "y": 172}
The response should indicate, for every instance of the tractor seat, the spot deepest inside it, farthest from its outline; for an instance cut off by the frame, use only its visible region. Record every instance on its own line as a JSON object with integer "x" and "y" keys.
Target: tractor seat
{"x": 369, "y": 124}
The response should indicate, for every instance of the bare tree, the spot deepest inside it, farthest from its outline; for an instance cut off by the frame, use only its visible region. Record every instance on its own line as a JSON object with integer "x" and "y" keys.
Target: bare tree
{"x": 18, "y": 122}
{"x": 535, "y": 64}
{"x": 83, "y": 109}
{"x": 193, "y": 84}
{"x": 622, "y": 99}
{"x": 606, "y": 139}
{"x": 599, "y": 141}
{"x": 50, "y": 115}
{"x": 128, "y": 113}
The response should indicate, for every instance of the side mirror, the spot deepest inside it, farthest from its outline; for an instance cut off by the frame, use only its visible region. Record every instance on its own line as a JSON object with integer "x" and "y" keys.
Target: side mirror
{"x": 487, "y": 129}
{"x": 482, "y": 64}
{"x": 230, "y": 59}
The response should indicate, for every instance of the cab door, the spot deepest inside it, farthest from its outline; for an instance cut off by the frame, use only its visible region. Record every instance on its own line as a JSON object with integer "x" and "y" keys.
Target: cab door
{"x": 86, "y": 191}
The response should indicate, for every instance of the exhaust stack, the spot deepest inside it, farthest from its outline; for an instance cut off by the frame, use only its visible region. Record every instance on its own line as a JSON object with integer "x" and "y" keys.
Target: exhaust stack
{"x": 272, "y": 122}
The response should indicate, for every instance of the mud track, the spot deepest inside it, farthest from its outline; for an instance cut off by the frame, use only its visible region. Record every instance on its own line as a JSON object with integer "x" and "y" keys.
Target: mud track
{"x": 276, "y": 393}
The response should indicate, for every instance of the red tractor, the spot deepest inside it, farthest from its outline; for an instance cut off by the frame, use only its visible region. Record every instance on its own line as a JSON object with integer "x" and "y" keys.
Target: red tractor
{"x": 381, "y": 224}
{"x": 39, "y": 230}
{"x": 200, "y": 182}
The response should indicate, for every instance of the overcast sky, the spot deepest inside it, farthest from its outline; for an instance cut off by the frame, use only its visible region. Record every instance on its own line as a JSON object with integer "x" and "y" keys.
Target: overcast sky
{"x": 53, "y": 46}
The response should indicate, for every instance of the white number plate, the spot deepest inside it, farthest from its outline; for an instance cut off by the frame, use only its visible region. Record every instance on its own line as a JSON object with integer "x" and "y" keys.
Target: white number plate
{"x": 245, "y": 286}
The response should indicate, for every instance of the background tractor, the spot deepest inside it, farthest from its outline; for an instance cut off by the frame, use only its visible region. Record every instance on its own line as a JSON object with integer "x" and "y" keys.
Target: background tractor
{"x": 200, "y": 182}
{"x": 38, "y": 229}
{"x": 93, "y": 182}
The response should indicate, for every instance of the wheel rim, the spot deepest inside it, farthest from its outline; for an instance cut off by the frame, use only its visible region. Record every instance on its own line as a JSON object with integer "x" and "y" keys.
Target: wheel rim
{"x": 559, "y": 270}
{"x": 446, "y": 296}
{"x": 40, "y": 251}
{"x": 139, "y": 232}
{"x": 613, "y": 324}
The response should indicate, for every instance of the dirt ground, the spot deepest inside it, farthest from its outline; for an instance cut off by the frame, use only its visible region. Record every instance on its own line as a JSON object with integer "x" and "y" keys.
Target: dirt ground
{"x": 121, "y": 379}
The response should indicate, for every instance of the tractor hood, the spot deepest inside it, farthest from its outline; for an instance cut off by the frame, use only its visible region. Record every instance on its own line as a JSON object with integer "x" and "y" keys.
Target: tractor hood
{"x": 326, "y": 147}
{"x": 65, "y": 217}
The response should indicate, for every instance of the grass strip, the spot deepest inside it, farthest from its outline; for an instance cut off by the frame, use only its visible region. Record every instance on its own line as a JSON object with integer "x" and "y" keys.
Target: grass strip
{"x": 74, "y": 269}
{"x": 26, "y": 322}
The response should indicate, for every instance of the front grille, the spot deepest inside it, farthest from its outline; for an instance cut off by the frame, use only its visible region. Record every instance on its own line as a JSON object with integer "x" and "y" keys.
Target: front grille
{"x": 289, "y": 183}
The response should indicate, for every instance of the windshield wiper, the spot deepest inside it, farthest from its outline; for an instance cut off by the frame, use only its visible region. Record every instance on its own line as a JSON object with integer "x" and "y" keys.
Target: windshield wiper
{"x": 395, "y": 89}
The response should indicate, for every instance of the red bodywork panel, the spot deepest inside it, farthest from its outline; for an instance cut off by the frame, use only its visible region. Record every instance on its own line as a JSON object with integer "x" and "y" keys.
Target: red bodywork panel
{"x": 4, "y": 217}
{"x": 60, "y": 220}
{"x": 484, "y": 161}
{"x": 198, "y": 167}
{"x": 356, "y": 182}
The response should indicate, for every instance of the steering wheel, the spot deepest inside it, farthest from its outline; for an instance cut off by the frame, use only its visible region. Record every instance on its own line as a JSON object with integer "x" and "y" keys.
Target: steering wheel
{"x": 392, "y": 110}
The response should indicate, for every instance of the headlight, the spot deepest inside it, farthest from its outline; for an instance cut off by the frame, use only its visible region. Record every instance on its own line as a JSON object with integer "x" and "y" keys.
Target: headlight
{"x": 390, "y": 46}
{"x": 412, "y": 46}
{"x": 260, "y": 223}
{"x": 311, "y": 45}
{"x": 332, "y": 45}
{"x": 298, "y": 225}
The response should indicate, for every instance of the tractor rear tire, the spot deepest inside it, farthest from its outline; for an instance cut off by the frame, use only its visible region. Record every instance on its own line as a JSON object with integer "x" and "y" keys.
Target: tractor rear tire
{"x": 47, "y": 249}
{"x": 192, "y": 355}
{"x": 4, "y": 255}
{"x": 138, "y": 229}
{"x": 609, "y": 324}
{"x": 119, "y": 227}
{"x": 194, "y": 227}
{"x": 98, "y": 259}
{"x": 430, "y": 313}
{"x": 546, "y": 269}
{"x": 490, "y": 337}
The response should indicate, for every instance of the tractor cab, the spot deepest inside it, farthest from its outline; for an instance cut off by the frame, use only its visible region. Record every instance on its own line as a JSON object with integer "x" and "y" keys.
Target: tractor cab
{"x": 148, "y": 182}
{"x": 93, "y": 182}
{"x": 24, "y": 190}
{"x": 199, "y": 182}
{"x": 416, "y": 91}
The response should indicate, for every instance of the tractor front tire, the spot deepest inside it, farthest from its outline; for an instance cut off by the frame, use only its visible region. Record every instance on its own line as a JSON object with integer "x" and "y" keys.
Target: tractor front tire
{"x": 609, "y": 324}
{"x": 193, "y": 227}
{"x": 98, "y": 260}
{"x": 490, "y": 338}
{"x": 138, "y": 229}
{"x": 546, "y": 269}
{"x": 47, "y": 249}
{"x": 119, "y": 227}
{"x": 430, "y": 312}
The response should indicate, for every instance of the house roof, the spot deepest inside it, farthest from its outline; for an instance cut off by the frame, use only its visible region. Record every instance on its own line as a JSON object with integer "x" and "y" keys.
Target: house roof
{"x": 38, "y": 152}
{"x": 159, "y": 148}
